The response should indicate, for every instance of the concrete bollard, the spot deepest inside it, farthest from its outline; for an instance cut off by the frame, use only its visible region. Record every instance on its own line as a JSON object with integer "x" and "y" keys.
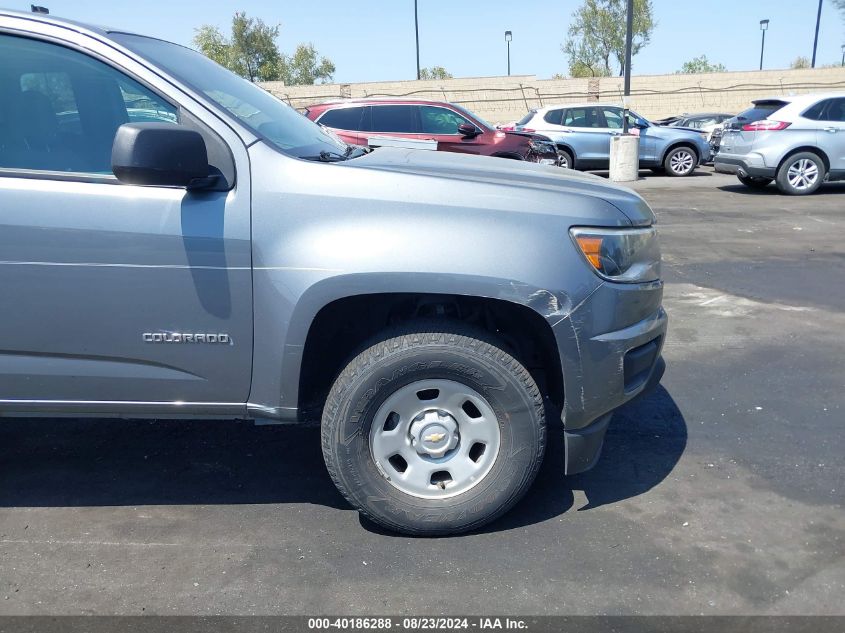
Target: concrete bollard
{"x": 624, "y": 158}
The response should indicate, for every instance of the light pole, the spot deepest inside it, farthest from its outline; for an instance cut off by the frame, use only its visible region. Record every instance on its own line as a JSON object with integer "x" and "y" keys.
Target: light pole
{"x": 816, "y": 39}
{"x": 629, "y": 37}
{"x": 508, "y": 38}
{"x": 417, "y": 32}
{"x": 764, "y": 25}
{"x": 843, "y": 55}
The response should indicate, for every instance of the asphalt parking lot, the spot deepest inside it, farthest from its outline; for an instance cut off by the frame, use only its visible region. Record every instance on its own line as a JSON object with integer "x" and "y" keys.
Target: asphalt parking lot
{"x": 721, "y": 493}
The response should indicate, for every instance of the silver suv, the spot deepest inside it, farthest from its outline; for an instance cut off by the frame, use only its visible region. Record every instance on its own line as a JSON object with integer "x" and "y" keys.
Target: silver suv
{"x": 799, "y": 144}
{"x": 176, "y": 242}
{"x": 582, "y": 133}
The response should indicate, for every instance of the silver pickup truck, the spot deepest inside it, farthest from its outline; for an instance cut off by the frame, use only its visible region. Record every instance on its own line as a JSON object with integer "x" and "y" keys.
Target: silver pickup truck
{"x": 176, "y": 242}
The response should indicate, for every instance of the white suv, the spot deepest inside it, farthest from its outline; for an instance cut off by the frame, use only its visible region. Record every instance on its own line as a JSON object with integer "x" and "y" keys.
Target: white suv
{"x": 800, "y": 144}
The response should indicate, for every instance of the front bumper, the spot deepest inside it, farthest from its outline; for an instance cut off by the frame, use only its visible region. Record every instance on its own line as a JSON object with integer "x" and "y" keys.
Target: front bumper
{"x": 603, "y": 371}
{"x": 583, "y": 446}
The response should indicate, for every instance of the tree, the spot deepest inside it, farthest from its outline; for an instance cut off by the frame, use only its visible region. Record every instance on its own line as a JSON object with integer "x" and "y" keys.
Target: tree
{"x": 211, "y": 43}
{"x": 252, "y": 53}
{"x": 435, "y": 72}
{"x": 800, "y": 62}
{"x": 700, "y": 65}
{"x": 596, "y": 43}
{"x": 305, "y": 67}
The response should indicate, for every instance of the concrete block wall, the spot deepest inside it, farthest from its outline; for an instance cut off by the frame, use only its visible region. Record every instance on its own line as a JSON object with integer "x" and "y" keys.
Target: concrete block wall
{"x": 503, "y": 99}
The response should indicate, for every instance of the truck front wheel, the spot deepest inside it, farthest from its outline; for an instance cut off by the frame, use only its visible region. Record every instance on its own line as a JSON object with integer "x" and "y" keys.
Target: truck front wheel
{"x": 434, "y": 429}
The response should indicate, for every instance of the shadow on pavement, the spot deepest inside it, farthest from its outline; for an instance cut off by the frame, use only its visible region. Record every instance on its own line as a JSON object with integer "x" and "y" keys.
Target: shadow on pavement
{"x": 76, "y": 462}
{"x": 92, "y": 462}
{"x": 645, "y": 440}
{"x": 648, "y": 174}
{"x": 771, "y": 190}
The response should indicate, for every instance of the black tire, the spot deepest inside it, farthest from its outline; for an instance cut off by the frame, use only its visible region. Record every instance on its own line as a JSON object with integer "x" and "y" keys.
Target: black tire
{"x": 680, "y": 161}
{"x": 446, "y": 351}
{"x": 755, "y": 182}
{"x": 565, "y": 158}
{"x": 783, "y": 180}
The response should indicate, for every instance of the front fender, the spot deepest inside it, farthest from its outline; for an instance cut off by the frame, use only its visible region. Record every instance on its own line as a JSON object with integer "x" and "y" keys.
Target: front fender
{"x": 276, "y": 375}
{"x": 414, "y": 223}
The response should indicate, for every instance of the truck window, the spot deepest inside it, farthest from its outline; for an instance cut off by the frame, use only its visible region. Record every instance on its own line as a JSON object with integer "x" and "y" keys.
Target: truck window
{"x": 64, "y": 108}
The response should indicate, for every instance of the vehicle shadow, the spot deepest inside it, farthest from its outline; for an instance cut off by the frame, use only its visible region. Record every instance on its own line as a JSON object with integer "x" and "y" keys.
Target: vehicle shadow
{"x": 96, "y": 462}
{"x": 203, "y": 235}
{"x": 66, "y": 462}
{"x": 645, "y": 440}
{"x": 647, "y": 174}
{"x": 826, "y": 189}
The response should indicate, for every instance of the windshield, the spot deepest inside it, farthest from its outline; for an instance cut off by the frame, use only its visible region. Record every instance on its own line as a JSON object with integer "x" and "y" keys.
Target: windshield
{"x": 635, "y": 119}
{"x": 472, "y": 115}
{"x": 255, "y": 108}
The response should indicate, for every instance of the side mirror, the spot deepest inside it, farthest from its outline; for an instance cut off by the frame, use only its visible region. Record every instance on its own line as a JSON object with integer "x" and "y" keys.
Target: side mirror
{"x": 467, "y": 130}
{"x": 160, "y": 155}
{"x": 641, "y": 123}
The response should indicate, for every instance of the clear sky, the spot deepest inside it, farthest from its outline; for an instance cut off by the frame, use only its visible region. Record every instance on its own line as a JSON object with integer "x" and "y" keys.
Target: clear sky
{"x": 373, "y": 40}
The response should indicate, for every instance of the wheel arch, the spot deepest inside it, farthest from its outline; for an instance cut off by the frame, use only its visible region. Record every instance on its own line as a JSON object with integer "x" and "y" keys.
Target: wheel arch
{"x": 805, "y": 148}
{"x": 342, "y": 328}
{"x": 568, "y": 148}
{"x": 681, "y": 143}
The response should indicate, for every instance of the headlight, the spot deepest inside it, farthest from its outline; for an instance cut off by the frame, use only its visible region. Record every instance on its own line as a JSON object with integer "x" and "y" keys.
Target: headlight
{"x": 623, "y": 255}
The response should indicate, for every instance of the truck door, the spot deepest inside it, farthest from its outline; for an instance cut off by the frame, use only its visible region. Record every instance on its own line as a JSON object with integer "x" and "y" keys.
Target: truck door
{"x": 114, "y": 297}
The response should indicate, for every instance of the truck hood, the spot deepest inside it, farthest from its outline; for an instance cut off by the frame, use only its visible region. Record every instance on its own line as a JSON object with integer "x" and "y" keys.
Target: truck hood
{"x": 525, "y": 176}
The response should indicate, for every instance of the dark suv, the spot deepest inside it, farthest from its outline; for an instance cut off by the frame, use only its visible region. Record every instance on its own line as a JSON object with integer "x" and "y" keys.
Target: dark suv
{"x": 427, "y": 125}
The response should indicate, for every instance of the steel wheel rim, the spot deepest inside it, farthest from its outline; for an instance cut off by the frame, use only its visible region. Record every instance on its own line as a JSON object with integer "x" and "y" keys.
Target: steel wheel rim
{"x": 408, "y": 450}
{"x": 682, "y": 162}
{"x": 802, "y": 174}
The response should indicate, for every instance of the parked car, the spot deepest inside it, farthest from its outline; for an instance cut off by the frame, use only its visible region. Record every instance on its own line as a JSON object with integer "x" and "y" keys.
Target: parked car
{"x": 234, "y": 260}
{"x": 669, "y": 120}
{"x": 583, "y": 131}
{"x": 447, "y": 126}
{"x": 799, "y": 145}
{"x": 760, "y": 109}
{"x": 704, "y": 123}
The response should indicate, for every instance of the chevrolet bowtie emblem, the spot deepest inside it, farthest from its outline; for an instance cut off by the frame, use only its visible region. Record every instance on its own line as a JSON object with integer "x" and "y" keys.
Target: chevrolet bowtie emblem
{"x": 434, "y": 437}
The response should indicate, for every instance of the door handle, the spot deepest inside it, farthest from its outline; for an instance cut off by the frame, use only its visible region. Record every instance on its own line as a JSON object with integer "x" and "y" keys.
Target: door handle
{"x": 832, "y": 130}
{"x": 616, "y": 133}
